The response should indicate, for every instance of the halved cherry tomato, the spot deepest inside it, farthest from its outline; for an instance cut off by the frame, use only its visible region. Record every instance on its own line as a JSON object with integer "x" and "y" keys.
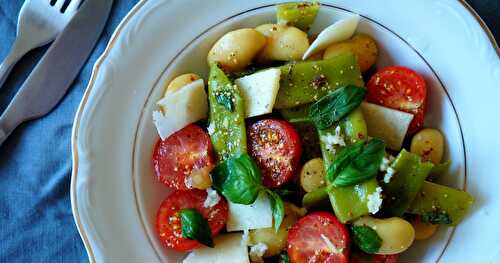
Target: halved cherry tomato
{"x": 185, "y": 151}
{"x": 275, "y": 146}
{"x": 168, "y": 222}
{"x": 311, "y": 239}
{"x": 360, "y": 257}
{"x": 402, "y": 89}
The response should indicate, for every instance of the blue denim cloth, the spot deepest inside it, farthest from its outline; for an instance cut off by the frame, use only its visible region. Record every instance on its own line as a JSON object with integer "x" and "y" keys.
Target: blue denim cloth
{"x": 36, "y": 224}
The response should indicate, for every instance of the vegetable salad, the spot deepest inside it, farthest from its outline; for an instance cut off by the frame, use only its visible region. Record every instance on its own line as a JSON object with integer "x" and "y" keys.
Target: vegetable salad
{"x": 285, "y": 154}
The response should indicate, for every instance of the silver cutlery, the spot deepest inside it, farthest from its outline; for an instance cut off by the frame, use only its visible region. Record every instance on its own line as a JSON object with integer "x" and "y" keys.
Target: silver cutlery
{"x": 57, "y": 69}
{"x": 38, "y": 24}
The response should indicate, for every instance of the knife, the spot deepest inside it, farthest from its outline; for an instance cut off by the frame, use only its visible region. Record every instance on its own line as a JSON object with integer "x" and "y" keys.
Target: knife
{"x": 58, "y": 68}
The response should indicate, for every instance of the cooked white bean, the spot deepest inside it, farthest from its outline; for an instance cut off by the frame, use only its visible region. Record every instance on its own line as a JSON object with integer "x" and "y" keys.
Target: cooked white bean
{"x": 180, "y": 81}
{"x": 276, "y": 241}
{"x": 284, "y": 43}
{"x": 396, "y": 233}
{"x": 423, "y": 230}
{"x": 428, "y": 143}
{"x": 236, "y": 49}
{"x": 200, "y": 178}
{"x": 362, "y": 46}
{"x": 312, "y": 175}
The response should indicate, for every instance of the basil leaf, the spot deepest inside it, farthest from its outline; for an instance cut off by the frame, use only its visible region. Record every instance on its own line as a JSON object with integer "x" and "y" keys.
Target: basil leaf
{"x": 335, "y": 106}
{"x": 366, "y": 239}
{"x": 277, "y": 207}
{"x": 238, "y": 179}
{"x": 438, "y": 217}
{"x": 438, "y": 170}
{"x": 284, "y": 258}
{"x": 225, "y": 98}
{"x": 343, "y": 160}
{"x": 356, "y": 163}
{"x": 195, "y": 227}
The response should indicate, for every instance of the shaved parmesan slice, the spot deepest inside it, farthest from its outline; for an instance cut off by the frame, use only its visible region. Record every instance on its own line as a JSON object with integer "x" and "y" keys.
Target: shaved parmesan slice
{"x": 387, "y": 124}
{"x": 259, "y": 91}
{"x": 339, "y": 31}
{"x": 254, "y": 216}
{"x": 181, "y": 108}
{"x": 228, "y": 249}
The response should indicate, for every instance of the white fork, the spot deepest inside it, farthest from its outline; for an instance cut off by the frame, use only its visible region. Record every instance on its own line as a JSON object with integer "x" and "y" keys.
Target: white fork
{"x": 38, "y": 24}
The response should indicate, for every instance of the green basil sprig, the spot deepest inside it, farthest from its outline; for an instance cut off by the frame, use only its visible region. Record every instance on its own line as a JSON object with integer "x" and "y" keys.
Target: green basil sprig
{"x": 356, "y": 163}
{"x": 438, "y": 217}
{"x": 335, "y": 106}
{"x": 240, "y": 181}
{"x": 195, "y": 227}
{"x": 366, "y": 239}
{"x": 284, "y": 258}
{"x": 277, "y": 207}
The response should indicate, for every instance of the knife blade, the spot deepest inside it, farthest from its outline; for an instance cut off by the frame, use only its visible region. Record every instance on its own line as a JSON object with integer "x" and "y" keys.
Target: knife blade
{"x": 56, "y": 71}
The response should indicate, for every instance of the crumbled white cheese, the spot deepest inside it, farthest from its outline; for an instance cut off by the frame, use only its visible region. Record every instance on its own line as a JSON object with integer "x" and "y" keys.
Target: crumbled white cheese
{"x": 388, "y": 175}
{"x": 387, "y": 124}
{"x": 259, "y": 91}
{"x": 228, "y": 249}
{"x": 337, "y": 32}
{"x": 257, "y": 251}
{"x": 333, "y": 249}
{"x": 254, "y": 216}
{"x": 213, "y": 198}
{"x": 211, "y": 128}
{"x": 188, "y": 181}
{"x": 331, "y": 140}
{"x": 386, "y": 162}
{"x": 181, "y": 108}
{"x": 375, "y": 200}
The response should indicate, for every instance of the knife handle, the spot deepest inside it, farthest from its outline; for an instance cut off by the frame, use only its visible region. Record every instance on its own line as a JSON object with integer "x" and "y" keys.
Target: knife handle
{"x": 6, "y": 128}
{"x": 14, "y": 115}
{"x": 3, "y": 135}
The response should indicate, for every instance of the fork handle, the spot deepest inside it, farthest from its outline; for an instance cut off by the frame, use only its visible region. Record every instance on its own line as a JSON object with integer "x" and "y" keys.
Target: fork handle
{"x": 16, "y": 52}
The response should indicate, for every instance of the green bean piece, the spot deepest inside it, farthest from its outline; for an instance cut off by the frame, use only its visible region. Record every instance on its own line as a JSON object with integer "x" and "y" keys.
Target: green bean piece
{"x": 306, "y": 82}
{"x": 299, "y": 118}
{"x": 348, "y": 202}
{"x": 300, "y": 15}
{"x": 410, "y": 173}
{"x": 434, "y": 199}
{"x": 298, "y": 114}
{"x": 316, "y": 198}
{"x": 439, "y": 170}
{"x": 227, "y": 115}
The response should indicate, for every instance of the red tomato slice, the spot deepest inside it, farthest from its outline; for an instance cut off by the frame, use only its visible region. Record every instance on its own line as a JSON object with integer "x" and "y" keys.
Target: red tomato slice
{"x": 363, "y": 258}
{"x": 308, "y": 239}
{"x": 168, "y": 222}
{"x": 177, "y": 156}
{"x": 402, "y": 89}
{"x": 275, "y": 146}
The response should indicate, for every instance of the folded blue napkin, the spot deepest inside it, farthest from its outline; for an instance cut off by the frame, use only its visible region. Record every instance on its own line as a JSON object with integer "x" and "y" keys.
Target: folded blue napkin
{"x": 36, "y": 223}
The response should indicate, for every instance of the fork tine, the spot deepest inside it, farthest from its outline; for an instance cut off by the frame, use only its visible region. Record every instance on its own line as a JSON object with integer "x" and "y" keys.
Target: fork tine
{"x": 73, "y": 6}
{"x": 58, "y": 5}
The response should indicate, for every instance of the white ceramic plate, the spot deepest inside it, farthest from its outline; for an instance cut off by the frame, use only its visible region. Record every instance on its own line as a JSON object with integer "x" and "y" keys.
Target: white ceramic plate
{"x": 113, "y": 193}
